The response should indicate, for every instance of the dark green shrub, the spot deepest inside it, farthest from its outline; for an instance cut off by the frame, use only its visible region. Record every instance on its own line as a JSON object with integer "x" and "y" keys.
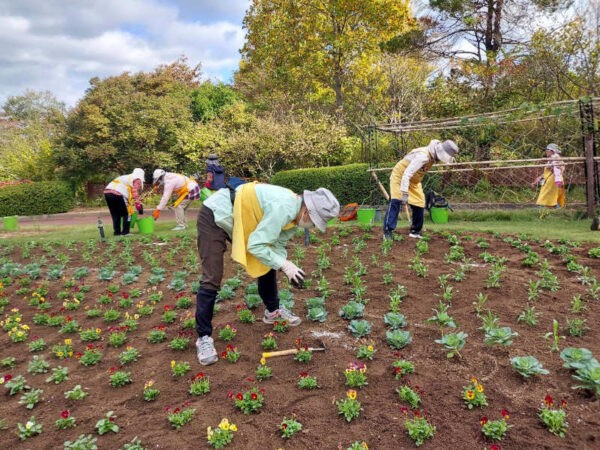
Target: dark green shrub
{"x": 45, "y": 197}
{"x": 349, "y": 183}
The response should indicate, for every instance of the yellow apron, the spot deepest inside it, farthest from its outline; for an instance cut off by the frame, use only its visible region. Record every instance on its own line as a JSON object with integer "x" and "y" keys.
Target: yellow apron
{"x": 550, "y": 194}
{"x": 182, "y": 192}
{"x": 416, "y": 196}
{"x": 130, "y": 208}
{"x": 247, "y": 214}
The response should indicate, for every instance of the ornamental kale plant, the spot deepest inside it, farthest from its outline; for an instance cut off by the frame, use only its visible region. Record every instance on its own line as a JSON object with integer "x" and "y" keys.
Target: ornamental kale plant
{"x": 528, "y": 366}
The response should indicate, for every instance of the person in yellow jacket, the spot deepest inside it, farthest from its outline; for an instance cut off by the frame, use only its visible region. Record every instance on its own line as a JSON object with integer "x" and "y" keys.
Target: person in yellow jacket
{"x": 405, "y": 184}
{"x": 552, "y": 192}
{"x": 122, "y": 195}
{"x": 258, "y": 220}
{"x": 183, "y": 188}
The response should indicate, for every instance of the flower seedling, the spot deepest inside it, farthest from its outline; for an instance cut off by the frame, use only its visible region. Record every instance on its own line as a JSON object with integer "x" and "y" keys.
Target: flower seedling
{"x": 263, "y": 372}
{"x": 409, "y": 395}
{"x": 222, "y": 435}
{"x": 250, "y": 401}
{"x": 356, "y": 375}
{"x": 157, "y": 334}
{"x": 289, "y": 427}
{"x": 90, "y": 334}
{"x": 441, "y": 317}
{"x": 117, "y": 338}
{"x": 37, "y": 345}
{"x": 107, "y": 423}
{"x": 179, "y": 368}
{"x": 59, "y": 374}
{"x": 303, "y": 353}
{"x": 31, "y": 428}
{"x": 129, "y": 355}
{"x": 179, "y": 343}
{"x": 200, "y": 384}
{"x": 402, "y": 367}
{"x": 473, "y": 394}
{"x": 118, "y": 378}
{"x": 91, "y": 355}
{"x": 230, "y": 354}
{"x": 307, "y": 382}
{"x": 495, "y": 429}
{"x": 244, "y": 314}
{"x": 349, "y": 407}
{"x": 418, "y": 428}
{"x": 227, "y": 333}
{"x": 528, "y": 366}
{"x": 14, "y": 384}
{"x": 280, "y": 326}
{"x": 77, "y": 393}
{"x": 555, "y": 419}
{"x": 65, "y": 421}
{"x": 31, "y": 398}
{"x": 150, "y": 392}
{"x": 269, "y": 342}
{"x": 366, "y": 352}
{"x": 38, "y": 365}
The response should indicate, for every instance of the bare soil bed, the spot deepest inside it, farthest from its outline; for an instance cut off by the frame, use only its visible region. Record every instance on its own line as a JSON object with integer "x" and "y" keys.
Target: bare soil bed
{"x": 381, "y": 422}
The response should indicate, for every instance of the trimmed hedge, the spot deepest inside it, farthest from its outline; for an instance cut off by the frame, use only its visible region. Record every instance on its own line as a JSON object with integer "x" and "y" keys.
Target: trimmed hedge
{"x": 45, "y": 197}
{"x": 350, "y": 183}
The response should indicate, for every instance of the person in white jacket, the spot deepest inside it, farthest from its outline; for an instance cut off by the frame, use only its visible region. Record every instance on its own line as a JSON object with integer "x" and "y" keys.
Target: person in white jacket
{"x": 405, "y": 184}
{"x": 183, "y": 188}
{"x": 123, "y": 194}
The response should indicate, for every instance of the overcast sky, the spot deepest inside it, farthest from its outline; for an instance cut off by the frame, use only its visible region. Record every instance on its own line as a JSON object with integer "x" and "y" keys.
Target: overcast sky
{"x": 58, "y": 45}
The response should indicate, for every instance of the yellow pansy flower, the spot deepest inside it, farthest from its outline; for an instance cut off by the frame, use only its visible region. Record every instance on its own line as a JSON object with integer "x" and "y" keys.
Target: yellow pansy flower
{"x": 351, "y": 394}
{"x": 232, "y": 427}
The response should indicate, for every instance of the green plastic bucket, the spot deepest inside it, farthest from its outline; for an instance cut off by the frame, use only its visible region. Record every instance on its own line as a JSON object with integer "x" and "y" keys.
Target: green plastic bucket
{"x": 10, "y": 223}
{"x": 366, "y": 215}
{"x": 134, "y": 218}
{"x": 146, "y": 225}
{"x": 205, "y": 193}
{"x": 439, "y": 215}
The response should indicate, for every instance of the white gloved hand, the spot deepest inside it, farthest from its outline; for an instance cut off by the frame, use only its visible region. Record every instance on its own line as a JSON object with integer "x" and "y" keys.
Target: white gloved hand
{"x": 404, "y": 199}
{"x": 293, "y": 272}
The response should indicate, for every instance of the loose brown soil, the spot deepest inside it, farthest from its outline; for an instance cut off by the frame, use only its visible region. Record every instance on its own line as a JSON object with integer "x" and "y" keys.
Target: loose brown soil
{"x": 381, "y": 421}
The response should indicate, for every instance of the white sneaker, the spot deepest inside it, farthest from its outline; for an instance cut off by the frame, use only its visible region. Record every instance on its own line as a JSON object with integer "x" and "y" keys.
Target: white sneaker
{"x": 205, "y": 349}
{"x": 415, "y": 235}
{"x": 282, "y": 314}
{"x": 179, "y": 228}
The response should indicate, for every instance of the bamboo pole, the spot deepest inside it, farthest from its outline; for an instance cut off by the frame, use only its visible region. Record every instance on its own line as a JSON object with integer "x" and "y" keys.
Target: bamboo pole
{"x": 381, "y": 187}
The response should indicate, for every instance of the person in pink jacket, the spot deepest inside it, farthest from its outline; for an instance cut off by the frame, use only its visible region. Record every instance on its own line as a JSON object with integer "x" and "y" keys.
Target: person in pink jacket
{"x": 183, "y": 188}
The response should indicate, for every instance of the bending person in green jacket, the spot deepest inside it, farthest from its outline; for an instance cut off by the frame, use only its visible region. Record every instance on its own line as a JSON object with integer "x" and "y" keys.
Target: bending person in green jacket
{"x": 258, "y": 220}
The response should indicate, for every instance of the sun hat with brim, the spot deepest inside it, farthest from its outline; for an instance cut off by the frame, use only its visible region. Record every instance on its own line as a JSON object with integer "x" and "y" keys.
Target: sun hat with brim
{"x": 322, "y": 206}
{"x": 446, "y": 151}
{"x": 553, "y": 148}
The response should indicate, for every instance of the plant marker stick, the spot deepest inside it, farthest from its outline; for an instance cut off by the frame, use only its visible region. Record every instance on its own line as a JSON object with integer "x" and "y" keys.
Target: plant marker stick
{"x": 101, "y": 230}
